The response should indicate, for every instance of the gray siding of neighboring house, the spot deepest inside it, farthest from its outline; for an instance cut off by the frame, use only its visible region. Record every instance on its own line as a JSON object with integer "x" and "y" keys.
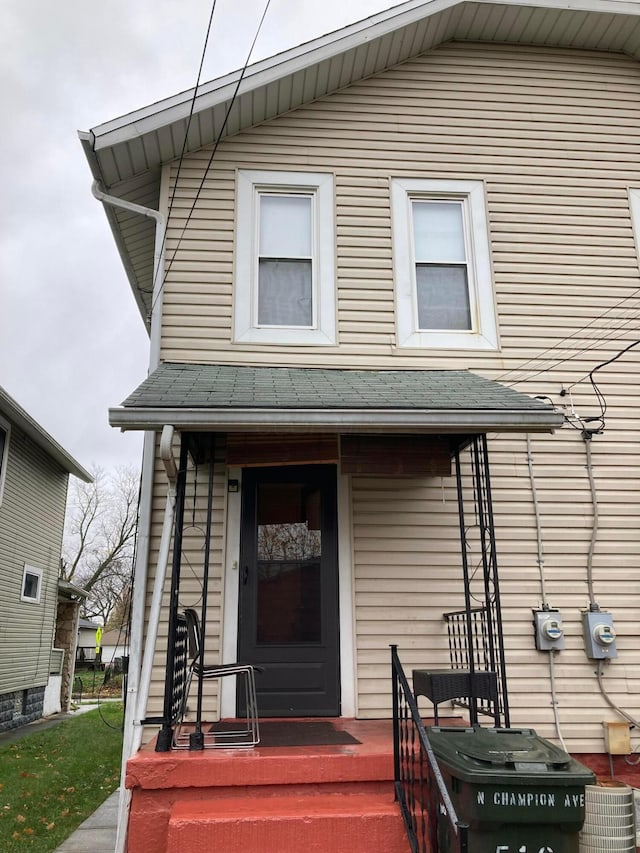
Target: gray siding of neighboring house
{"x": 31, "y": 527}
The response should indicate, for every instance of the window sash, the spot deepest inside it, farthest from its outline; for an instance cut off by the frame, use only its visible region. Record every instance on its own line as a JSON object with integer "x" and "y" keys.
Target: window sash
{"x": 455, "y": 211}
{"x": 31, "y": 584}
{"x": 256, "y": 323}
{"x": 285, "y": 292}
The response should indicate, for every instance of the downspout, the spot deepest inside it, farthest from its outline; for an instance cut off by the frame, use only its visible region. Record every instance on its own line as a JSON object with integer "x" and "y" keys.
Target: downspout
{"x": 136, "y": 689}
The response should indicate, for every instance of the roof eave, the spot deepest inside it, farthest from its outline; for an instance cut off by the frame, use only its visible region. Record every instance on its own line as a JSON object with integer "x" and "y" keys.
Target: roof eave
{"x": 18, "y": 416}
{"x": 337, "y": 420}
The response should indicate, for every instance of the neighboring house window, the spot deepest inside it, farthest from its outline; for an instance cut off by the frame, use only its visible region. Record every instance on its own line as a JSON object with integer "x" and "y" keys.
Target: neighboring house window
{"x": 444, "y": 288}
{"x": 31, "y": 583}
{"x": 5, "y": 430}
{"x": 285, "y": 258}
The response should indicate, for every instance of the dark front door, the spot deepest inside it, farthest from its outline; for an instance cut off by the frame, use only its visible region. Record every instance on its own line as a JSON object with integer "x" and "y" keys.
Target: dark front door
{"x": 288, "y": 611}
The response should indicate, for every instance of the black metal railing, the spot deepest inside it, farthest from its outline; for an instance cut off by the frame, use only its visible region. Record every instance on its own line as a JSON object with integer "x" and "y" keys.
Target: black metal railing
{"x": 474, "y": 653}
{"x": 428, "y": 813}
{"x": 478, "y": 642}
{"x": 179, "y": 668}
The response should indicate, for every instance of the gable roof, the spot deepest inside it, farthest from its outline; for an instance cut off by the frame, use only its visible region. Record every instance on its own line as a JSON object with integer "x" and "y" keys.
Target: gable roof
{"x": 125, "y": 155}
{"x": 210, "y": 396}
{"x": 15, "y": 414}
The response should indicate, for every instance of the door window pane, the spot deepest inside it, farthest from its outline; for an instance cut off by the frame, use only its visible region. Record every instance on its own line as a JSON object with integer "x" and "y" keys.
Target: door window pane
{"x": 289, "y": 551}
{"x": 443, "y": 297}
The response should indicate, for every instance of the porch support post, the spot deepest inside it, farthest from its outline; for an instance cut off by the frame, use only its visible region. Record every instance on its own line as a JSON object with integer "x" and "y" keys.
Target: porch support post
{"x": 490, "y": 565}
{"x": 196, "y": 738}
{"x": 165, "y": 736}
{"x": 473, "y": 705}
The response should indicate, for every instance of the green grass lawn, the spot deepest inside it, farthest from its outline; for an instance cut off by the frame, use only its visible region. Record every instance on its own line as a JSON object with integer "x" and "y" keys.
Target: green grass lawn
{"x": 51, "y": 781}
{"x": 94, "y": 686}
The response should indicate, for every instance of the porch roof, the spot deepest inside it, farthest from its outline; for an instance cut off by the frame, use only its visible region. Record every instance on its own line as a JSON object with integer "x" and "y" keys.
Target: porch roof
{"x": 239, "y": 398}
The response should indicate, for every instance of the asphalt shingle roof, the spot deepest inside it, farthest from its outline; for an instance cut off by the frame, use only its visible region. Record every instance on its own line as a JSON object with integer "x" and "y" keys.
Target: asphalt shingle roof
{"x": 226, "y": 386}
{"x": 228, "y": 397}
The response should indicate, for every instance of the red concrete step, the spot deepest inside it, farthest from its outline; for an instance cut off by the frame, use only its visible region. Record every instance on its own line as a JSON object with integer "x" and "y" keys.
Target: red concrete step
{"x": 313, "y": 823}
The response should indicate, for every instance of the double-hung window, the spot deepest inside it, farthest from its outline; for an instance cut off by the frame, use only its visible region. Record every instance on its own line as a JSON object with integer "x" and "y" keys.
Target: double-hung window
{"x": 444, "y": 291}
{"x": 285, "y": 258}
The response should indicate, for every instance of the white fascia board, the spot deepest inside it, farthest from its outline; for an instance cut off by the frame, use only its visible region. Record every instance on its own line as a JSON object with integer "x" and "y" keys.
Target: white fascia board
{"x": 338, "y": 420}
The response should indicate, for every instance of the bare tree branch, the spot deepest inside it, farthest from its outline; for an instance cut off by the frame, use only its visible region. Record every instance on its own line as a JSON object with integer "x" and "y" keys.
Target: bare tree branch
{"x": 99, "y": 537}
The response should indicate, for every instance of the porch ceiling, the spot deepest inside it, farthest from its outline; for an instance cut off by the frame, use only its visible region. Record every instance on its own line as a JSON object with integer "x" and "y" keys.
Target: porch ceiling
{"x": 231, "y": 398}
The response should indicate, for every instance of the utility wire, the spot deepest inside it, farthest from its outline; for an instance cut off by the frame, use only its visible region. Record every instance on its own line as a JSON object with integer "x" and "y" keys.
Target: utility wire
{"x": 213, "y": 154}
{"x": 615, "y": 335}
{"x": 568, "y": 337}
{"x": 186, "y": 137}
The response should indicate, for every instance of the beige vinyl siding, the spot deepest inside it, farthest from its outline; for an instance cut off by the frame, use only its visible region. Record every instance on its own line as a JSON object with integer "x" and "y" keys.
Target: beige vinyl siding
{"x": 31, "y": 525}
{"x": 555, "y": 136}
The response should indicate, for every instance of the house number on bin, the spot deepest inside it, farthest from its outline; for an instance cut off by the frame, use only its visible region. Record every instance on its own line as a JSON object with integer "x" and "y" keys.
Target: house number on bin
{"x": 505, "y": 848}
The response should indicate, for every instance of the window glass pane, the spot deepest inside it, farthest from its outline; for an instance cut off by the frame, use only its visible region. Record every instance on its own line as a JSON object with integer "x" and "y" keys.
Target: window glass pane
{"x": 285, "y": 293}
{"x": 285, "y": 226}
{"x": 438, "y": 232}
{"x": 289, "y": 553}
{"x": 30, "y": 589}
{"x": 443, "y": 297}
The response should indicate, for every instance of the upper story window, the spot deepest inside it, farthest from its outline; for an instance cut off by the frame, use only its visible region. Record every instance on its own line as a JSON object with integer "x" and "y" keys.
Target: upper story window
{"x": 31, "y": 584}
{"x": 444, "y": 290}
{"x": 285, "y": 259}
{"x": 5, "y": 430}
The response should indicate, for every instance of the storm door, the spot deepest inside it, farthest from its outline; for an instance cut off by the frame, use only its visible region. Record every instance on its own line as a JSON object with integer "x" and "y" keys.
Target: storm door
{"x": 288, "y": 602}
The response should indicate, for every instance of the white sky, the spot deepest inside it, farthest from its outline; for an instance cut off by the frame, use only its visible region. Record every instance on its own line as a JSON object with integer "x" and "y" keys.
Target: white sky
{"x": 72, "y": 342}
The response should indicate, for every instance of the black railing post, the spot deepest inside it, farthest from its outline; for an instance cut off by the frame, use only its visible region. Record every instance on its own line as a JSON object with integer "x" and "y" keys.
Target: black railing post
{"x": 396, "y": 719}
{"x": 496, "y": 583}
{"x": 473, "y": 707}
{"x": 165, "y": 735}
{"x": 196, "y": 738}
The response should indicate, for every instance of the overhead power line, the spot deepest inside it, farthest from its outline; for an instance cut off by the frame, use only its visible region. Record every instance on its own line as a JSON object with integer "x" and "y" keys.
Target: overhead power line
{"x": 213, "y": 154}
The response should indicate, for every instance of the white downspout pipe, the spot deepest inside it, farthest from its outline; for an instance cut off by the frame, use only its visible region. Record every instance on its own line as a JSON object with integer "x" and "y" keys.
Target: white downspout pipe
{"x": 137, "y": 691}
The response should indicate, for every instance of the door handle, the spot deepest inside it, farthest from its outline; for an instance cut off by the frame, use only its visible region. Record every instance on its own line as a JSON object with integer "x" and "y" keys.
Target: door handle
{"x": 245, "y": 575}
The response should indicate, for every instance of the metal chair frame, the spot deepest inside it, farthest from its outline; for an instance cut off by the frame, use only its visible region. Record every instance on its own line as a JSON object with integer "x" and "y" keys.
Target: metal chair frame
{"x": 247, "y": 735}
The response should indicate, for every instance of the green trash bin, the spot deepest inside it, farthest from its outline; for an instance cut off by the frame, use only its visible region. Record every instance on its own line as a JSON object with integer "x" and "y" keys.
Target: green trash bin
{"x": 517, "y": 792}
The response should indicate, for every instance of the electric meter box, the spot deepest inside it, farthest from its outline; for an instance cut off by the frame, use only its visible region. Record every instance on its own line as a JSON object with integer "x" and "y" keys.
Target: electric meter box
{"x": 549, "y": 633}
{"x": 599, "y": 635}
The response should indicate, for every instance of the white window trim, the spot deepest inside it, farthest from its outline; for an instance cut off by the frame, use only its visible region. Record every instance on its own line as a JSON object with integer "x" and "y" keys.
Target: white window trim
{"x": 484, "y": 328}
{"x": 6, "y": 426}
{"x": 32, "y": 570}
{"x": 249, "y": 185}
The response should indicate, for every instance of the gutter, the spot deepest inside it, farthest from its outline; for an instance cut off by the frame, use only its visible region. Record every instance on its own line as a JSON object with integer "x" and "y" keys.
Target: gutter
{"x": 342, "y": 420}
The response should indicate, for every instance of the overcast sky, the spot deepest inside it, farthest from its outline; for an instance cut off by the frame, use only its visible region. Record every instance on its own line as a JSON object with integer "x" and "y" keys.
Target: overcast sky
{"x": 72, "y": 342}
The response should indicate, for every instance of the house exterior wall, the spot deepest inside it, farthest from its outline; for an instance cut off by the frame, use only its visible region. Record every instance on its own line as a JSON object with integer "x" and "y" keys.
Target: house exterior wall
{"x": 554, "y": 136}
{"x": 31, "y": 525}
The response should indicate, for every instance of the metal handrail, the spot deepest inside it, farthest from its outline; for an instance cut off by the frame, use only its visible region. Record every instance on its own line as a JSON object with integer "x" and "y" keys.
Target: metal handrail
{"x": 419, "y": 786}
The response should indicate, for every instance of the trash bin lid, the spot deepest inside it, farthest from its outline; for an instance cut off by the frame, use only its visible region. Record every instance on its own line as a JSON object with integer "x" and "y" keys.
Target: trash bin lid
{"x": 514, "y": 754}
